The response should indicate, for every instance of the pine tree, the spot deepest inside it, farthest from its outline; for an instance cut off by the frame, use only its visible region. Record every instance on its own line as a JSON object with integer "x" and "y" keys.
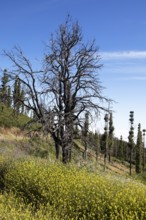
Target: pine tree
{"x": 15, "y": 93}
{"x": 9, "y": 98}
{"x": 105, "y": 139}
{"x": 120, "y": 148}
{"x": 138, "y": 151}
{"x": 110, "y": 138}
{"x": 85, "y": 134}
{"x": 143, "y": 150}
{"x": 131, "y": 136}
{"x": 17, "y": 96}
{"x": 3, "y": 92}
{"x": 22, "y": 96}
{"x": 97, "y": 144}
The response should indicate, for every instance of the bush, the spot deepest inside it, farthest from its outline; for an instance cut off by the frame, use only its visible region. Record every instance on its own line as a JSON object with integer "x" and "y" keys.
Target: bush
{"x": 64, "y": 192}
{"x": 9, "y": 119}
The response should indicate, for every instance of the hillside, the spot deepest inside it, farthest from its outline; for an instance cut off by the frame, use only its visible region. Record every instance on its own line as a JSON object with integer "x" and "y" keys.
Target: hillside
{"x": 35, "y": 186}
{"x": 16, "y": 142}
{"x": 115, "y": 166}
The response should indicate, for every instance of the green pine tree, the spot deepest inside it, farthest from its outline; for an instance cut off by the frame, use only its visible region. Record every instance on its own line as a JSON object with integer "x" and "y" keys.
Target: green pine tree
{"x": 138, "y": 162}
{"x": 143, "y": 150}
{"x": 17, "y": 96}
{"x": 85, "y": 134}
{"x": 97, "y": 144}
{"x": 131, "y": 136}
{"x": 110, "y": 137}
{"x": 3, "y": 90}
{"x": 22, "y": 101}
{"x": 9, "y": 97}
{"x": 105, "y": 139}
{"x": 120, "y": 148}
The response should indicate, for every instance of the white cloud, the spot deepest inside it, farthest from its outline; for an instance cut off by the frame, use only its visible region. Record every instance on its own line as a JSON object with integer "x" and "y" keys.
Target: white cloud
{"x": 140, "y": 78}
{"x": 124, "y": 55}
{"x": 125, "y": 69}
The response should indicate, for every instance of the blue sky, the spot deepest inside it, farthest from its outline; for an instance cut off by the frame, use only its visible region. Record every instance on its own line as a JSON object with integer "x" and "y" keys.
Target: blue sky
{"x": 119, "y": 28}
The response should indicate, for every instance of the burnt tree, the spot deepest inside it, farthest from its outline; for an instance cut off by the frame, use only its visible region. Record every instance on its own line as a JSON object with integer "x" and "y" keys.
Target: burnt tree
{"x": 69, "y": 84}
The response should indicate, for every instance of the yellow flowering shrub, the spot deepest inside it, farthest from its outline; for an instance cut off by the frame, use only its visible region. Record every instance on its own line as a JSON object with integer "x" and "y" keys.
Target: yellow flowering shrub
{"x": 57, "y": 192}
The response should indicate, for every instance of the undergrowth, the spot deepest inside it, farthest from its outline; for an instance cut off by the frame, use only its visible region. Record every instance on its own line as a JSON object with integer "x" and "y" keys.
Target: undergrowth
{"x": 37, "y": 189}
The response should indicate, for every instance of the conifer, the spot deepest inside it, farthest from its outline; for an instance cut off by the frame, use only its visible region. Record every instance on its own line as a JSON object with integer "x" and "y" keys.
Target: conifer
{"x": 111, "y": 130}
{"x": 9, "y": 98}
{"x": 3, "y": 92}
{"x": 131, "y": 136}
{"x": 17, "y": 96}
{"x": 85, "y": 134}
{"x": 143, "y": 150}
{"x": 105, "y": 139}
{"x": 138, "y": 150}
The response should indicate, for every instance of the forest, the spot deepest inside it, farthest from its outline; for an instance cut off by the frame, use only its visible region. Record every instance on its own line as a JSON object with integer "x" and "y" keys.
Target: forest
{"x": 52, "y": 165}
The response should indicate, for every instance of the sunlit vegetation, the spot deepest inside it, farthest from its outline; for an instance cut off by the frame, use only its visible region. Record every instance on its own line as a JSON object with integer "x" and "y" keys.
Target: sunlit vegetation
{"x": 33, "y": 188}
{"x": 8, "y": 119}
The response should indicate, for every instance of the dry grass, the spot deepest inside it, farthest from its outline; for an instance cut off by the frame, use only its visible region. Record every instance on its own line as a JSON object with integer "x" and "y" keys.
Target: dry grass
{"x": 116, "y": 167}
{"x": 11, "y": 134}
{"x": 15, "y": 135}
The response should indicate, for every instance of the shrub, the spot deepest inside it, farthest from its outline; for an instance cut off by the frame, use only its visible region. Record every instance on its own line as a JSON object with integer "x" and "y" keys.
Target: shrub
{"x": 55, "y": 191}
